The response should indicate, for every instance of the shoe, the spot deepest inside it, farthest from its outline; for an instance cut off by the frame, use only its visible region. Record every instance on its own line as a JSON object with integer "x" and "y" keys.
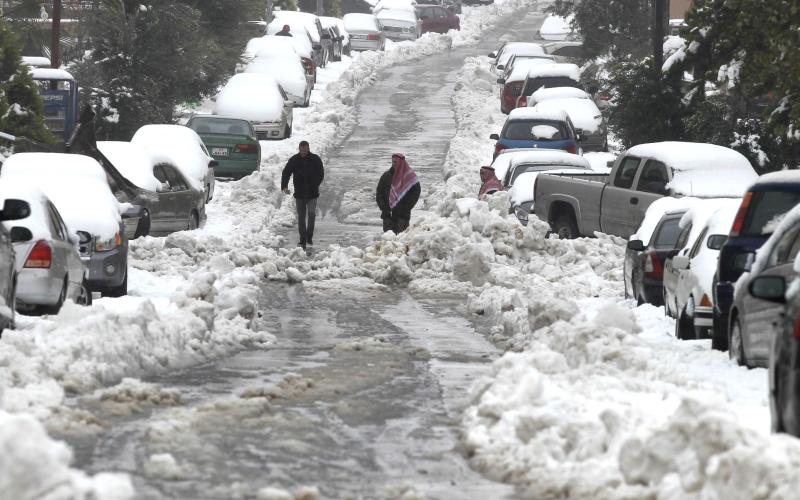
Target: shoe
{"x": 302, "y": 245}
{"x": 310, "y": 243}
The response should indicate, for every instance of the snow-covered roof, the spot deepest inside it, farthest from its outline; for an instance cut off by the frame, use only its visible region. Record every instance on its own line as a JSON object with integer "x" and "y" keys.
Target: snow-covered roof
{"x": 571, "y": 71}
{"x": 292, "y": 18}
{"x": 598, "y": 160}
{"x": 549, "y": 157}
{"x": 133, "y": 162}
{"x": 704, "y": 264}
{"x": 269, "y": 44}
{"x": 301, "y": 35}
{"x": 780, "y": 177}
{"x": 699, "y": 169}
{"x": 178, "y": 145}
{"x": 700, "y": 213}
{"x": 285, "y": 68}
{"x": 77, "y": 186}
{"x": 37, "y": 61}
{"x": 556, "y": 28}
{"x": 583, "y": 112}
{"x": 360, "y": 22}
{"x": 50, "y": 74}
{"x": 521, "y": 68}
{"x": 656, "y": 210}
{"x": 397, "y": 15}
{"x": 520, "y": 48}
{"x": 250, "y": 96}
{"x": 535, "y": 114}
{"x": 23, "y": 189}
{"x": 545, "y": 94}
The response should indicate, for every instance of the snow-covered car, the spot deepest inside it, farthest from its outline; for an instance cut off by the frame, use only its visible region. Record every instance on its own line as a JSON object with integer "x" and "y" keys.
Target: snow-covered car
{"x": 364, "y": 32}
{"x": 284, "y": 45}
{"x": 548, "y": 76}
{"x": 508, "y": 67}
{"x": 516, "y": 48}
{"x": 523, "y": 169}
{"x": 528, "y": 128}
{"x": 342, "y": 37}
{"x": 512, "y": 85}
{"x": 399, "y": 25}
{"x": 231, "y": 141}
{"x": 546, "y": 94}
{"x": 287, "y": 69}
{"x": 49, "y": 265}
{"x": 13, "y": 209}
{"x": 691, "y": 297}
{"x": 556, "y": 28}
{"x": 179, "y": 205}
{"x": 566, "y": 50}
{"x": 437, "y": 19}
{"x": 184, "y": 149}
{"x": 587, "y": 118}
{"x": 312, "y": 26}
{"x": 258, "y": 98}
{"x": 77, "y": 186}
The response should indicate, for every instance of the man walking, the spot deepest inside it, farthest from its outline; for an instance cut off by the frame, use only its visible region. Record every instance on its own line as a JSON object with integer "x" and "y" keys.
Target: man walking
{"x": 306, "y": 169}
{"x": 397, "y": 193}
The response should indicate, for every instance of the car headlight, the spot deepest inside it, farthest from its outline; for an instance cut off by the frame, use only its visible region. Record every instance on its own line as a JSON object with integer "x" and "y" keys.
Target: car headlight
{"x": 109, "y": 244}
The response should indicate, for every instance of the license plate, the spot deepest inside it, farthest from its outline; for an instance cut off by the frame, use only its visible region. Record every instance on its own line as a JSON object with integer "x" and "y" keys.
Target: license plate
{"x": 219, "y": 151}
{"x": 358, "y": 37}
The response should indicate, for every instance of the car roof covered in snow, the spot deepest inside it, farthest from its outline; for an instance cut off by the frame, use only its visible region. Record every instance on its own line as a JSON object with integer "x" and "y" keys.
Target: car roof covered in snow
{"x": 545, "y": 94}
{"x": 583, "y": 112}
{"x": 535, "y": 114}
{"x": 571, "y": 71}
{"x": 177, "y": 145}
{"x": 780, "y": 177}
{"x": 357, "y": 21}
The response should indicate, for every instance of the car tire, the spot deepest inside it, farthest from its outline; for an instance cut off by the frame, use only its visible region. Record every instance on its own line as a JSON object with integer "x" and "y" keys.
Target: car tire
{"x": 194, "y": 221}
{"x": 776, "y": 421}
{"x": 564, "y": 227}
{"x": 143, "y": 229}
{"x": 118, "y": 291}
{"x": 683, "y": 327}
{"x": 85, "y": 296}
{"x": 287, "y": 131}
{"x": 736, "y": 343}
{"x": 719, "y": 337}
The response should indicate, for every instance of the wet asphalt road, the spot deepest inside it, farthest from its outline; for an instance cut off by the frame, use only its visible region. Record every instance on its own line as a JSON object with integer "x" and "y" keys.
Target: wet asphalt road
{"x": 362, "y": 393}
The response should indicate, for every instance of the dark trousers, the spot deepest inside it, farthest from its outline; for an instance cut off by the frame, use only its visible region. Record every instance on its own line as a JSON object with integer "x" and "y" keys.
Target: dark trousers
{"x": 306, "y": 206}
{"x": 395, "y": 223}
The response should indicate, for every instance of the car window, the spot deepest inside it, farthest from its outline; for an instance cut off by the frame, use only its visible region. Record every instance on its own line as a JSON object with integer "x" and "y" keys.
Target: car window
{"x": 56, "y": 230}
{"x": 221, "y": 126}
{"x": 534, "y": 84}
{"x": 654, "y": 178}
{"x": 60, "y": 222}
{"x": 521, "y": 130}
{"x": 521, "y": 169}
{"x": 683, "y": 238}
{"x": 158, "y": 173}
{"x": 765, "y": 211}
{"x": 698, "y": 243}
{"x": 626, "y": 172}
{"x": 667, "y": 234}
{"x": 440, "y": 12}
{"x": 781, "y": 251}
{"x": 175, "y": 180}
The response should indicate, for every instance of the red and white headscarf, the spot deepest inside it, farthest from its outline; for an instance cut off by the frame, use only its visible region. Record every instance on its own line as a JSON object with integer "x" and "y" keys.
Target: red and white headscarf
{"x": 403, "y": 179}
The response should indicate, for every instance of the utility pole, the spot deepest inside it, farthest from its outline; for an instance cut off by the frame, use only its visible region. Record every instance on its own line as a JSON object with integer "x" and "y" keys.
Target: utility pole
{"x": 270, "y": 7}
{"x": 319, "y": 8}
{"x": 660, "y": 22}
{"x": 55, "y": 36}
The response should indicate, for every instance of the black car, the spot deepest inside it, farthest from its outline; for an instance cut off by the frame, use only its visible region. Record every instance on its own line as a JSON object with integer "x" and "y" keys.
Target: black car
{"x": 644, "y": 264}
{"x": 12, "y": 210}
{"x": 771, "y": 196}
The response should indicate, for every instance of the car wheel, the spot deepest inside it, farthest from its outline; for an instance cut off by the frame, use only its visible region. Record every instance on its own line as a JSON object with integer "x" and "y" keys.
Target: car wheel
{"x": 776, "y": 422}
{"x": 143, "y": 229}
{"x": 564, "y": 226}
{"x": 736, "y": 342}
{"x": 85, "y": 296}
{"x": 207, "y": 191}
{"x": 719, "y": 337}
{"x": 118, "y": 291}
{"x": 194, "y": 221}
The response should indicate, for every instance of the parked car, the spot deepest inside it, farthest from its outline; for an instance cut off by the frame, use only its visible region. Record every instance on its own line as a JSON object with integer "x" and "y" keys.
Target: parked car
{"x": 587, "y": 118}
{"x": 765, "y": 202}
{"x": 343, "y": 41}
{"x": 287, "y": 69}
{"x": 566, "y": 50}
{"x": 231, "y": 142}
{"x": 437, "y": 19}
{"x": 399, "y": 25}
{"x": 548, "y": 76}
{"x": 364, "y": 32}
{"x": 754, "y": 313}
{"x": 508, "y": 50}
{"x": 77, "y": 186}
{"x": 13, "y": 209}
{"x": 49, "y": 266}
{"x": 184, "y": 149}
{"x": 556, "y": 28}
{"x": 526, "y": 127}
{"x": 259, "y": 98}
{"x": 281, "y": 45}
{"x": 179, "y": 205}
{"x": 523, "y": 169}
{"x": 649, "y": 247}
{"x": 580, "y": 204}
{"x": 546, "y": 94}
{"x": 689, "y": 275}
{"x": 313, "y": 27}
{"x": 508, "y": 68}
{"x": 337, "y": 47}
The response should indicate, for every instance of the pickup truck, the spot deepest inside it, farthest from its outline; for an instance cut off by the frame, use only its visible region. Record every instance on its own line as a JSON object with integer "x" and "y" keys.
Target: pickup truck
{"x": 581, "y": 204}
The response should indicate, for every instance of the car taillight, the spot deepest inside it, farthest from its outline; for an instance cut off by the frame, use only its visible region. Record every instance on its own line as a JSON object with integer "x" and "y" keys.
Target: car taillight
{"x": 797, "y": 327}
{"x": 705, "y": 301}
{"x": 40, "y": 256}
{"x": 499, "y": 147}
{"x": 738, "y": 222}
{"x": 653, "y": 266}
{"x": 571, "y": 148}
{"x": 372, "y": 37}
{"x": 308, "y": 64}
{"x": 245, "y": 148}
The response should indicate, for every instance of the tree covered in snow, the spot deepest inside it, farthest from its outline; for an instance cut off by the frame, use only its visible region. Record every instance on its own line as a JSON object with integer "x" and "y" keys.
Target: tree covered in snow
{"x": 620, "y": 28}
{"x": 20, "y": 103}
{"x": 146, "y": 59}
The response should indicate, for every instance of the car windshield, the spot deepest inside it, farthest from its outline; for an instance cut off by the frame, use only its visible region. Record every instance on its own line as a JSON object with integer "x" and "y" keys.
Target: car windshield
{"x": 548, "y": 82}
{"x": 521, "y": 169}
{"x": 221, "y": 126}
{"x": 667, "y": 235}
{"x": 765, "y": 211}
{"x": 545, "y": 130}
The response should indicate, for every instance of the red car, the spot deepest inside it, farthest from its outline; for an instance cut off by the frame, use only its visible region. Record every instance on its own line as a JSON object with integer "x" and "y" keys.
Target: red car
{"x": 437, "y": 19}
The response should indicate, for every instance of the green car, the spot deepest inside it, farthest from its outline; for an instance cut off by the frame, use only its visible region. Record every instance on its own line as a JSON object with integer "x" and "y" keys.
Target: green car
{"x": 230, "y": 141}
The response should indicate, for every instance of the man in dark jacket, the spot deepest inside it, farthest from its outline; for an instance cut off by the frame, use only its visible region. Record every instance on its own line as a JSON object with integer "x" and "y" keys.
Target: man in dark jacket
{"x": 398, "y": 191}
{"x": 307, "y": 170}
{"x": 285, "y": 31}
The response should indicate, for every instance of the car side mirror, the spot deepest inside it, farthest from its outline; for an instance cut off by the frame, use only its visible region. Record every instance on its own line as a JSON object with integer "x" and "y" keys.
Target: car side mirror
{"x": 636, "y": 245}
{"x": 501, "y": 81}
{"x": 716, "y": 241}
{"x": 15, "y": 209}
{"x": 213, "y": 163}
{"x": 744, "y": 261}
{"x": 20, "y": 234}
{"x": 84, "y": 237}
{"x": 492, "y": 54}
{"x": 769, "y": 288}
{"x": 578, "y": 136}
{"x": 500, "y": 66}
{"x": 494, "y": 137}
{"x": 680, "y": 262}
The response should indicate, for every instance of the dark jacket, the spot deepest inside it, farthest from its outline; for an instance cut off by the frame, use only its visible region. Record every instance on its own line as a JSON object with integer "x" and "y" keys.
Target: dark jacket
{"x": 307, "y": 175}
{"x": 403, "y": 208}
{"x": 283, "y": 33}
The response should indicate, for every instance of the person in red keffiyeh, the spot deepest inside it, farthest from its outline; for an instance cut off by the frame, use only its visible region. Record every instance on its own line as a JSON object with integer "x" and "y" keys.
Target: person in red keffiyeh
{"x": 489, "y": 182}
{"x": 398, "y": 191}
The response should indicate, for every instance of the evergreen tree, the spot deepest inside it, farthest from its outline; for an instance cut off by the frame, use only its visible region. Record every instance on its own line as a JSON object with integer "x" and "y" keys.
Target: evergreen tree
{"x": 20, "y": 103}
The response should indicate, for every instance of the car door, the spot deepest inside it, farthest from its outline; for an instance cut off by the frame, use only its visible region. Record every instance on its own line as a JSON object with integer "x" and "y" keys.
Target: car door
{"x": 686, "y": 277}
{"x": 59, "y": 245}
{"x": 164, "y": 210}
{"x": 182, "y": 197}
{"x": 761, "y": 314}
{"x": 670, "y": 273}
{"x": 74, "y": 264}
{"x": 6, "y": 269}
{"x": 619, "y": 198}
{"x": 650, "y": 185}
